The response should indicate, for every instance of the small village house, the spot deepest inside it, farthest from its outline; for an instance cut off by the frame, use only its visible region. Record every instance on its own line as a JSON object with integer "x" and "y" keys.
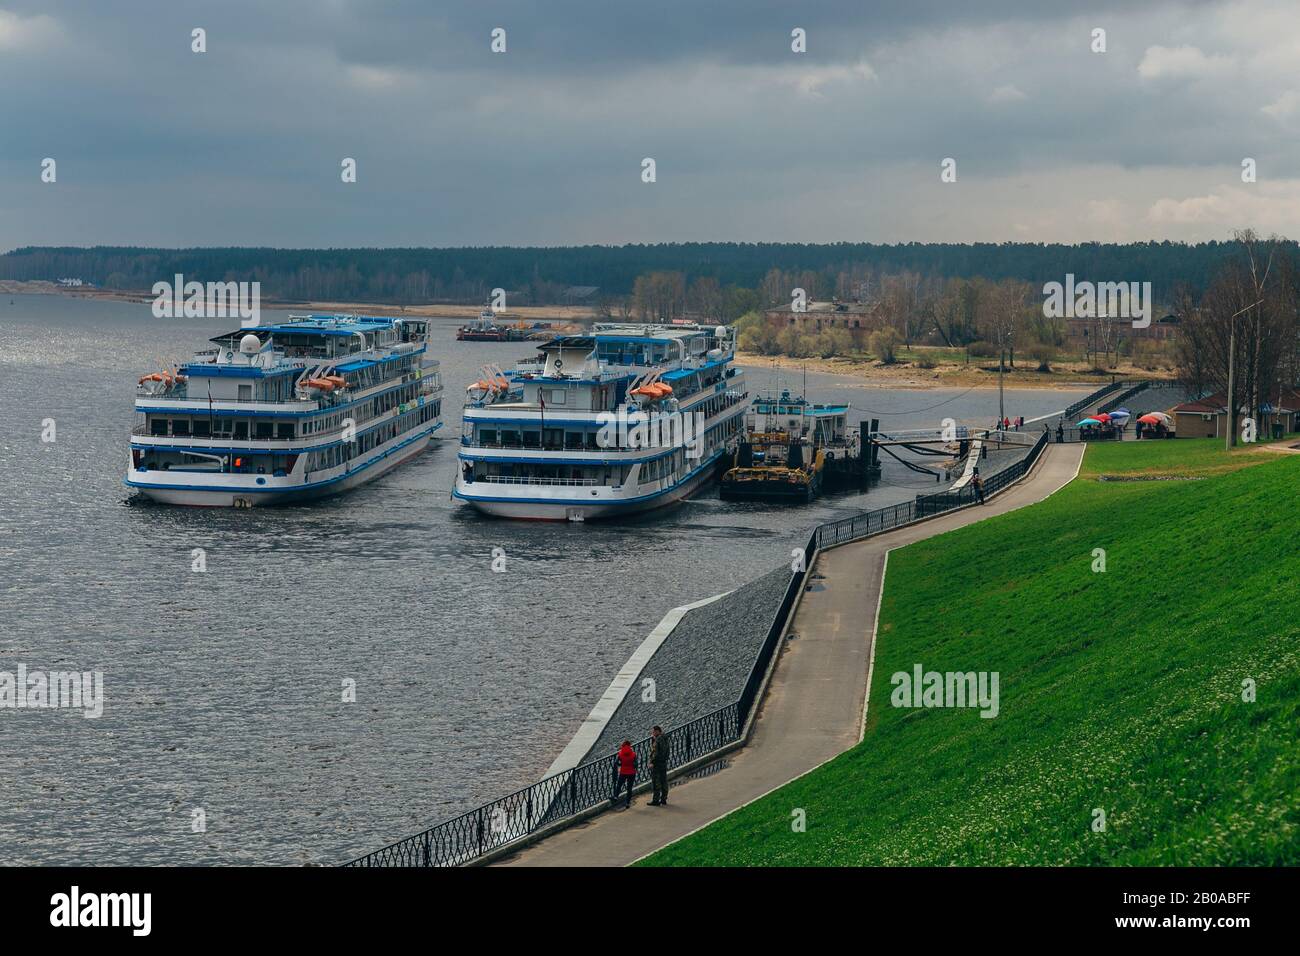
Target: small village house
{"x": 1208, "y": 417}
{"x": 823, "y": 316}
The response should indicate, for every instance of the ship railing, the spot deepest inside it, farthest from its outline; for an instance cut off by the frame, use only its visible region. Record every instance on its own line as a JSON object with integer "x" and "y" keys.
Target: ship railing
{"x": 534, "y": 446}
{"x": 180, "y": 392}
{"x": 522, "y": 480}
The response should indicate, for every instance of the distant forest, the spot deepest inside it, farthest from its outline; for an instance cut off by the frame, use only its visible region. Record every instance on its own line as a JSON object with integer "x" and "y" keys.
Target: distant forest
{"x": 543, "y": 276}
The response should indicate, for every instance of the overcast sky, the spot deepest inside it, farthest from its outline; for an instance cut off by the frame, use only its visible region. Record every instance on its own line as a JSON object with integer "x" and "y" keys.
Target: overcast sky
{"x": 543, "y": 144}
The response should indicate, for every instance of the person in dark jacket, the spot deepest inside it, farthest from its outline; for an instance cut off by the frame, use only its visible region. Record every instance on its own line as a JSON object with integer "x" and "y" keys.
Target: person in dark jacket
{"x": 977, "y": 483}
{"x": 659, "y": 766}
{"x": 626, "y": 760}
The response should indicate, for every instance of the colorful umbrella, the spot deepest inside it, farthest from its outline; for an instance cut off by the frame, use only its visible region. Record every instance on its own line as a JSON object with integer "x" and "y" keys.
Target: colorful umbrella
{"x": 1120, "y": 416}
{"x": 1120, "y": 411}
{"x": 1103, "y": 418}
{"x": 1150, "y": 419}
{"x": 1088, "y": 421}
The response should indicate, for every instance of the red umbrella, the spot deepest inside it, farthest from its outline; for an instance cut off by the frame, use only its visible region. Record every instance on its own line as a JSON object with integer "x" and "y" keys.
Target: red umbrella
{"x": 1150, "y": 419}
{"x": 1103, "y": 418}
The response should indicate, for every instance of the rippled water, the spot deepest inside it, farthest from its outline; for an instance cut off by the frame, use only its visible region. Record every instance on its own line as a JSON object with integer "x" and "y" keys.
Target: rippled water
{"x": 223, "y": 689}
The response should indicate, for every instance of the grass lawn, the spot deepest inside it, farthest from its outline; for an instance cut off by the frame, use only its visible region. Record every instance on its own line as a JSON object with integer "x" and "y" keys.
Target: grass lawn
{"x": 1177, "y": 457}
{"x": 1120, "y": 691}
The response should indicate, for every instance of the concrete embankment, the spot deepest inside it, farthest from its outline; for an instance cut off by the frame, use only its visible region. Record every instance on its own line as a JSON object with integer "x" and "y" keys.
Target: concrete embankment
{"x": 694, "y": 662}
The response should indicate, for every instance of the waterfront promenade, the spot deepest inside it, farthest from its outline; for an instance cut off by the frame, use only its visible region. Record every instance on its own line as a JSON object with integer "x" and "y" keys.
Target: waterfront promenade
{"x": 814, "y": 707}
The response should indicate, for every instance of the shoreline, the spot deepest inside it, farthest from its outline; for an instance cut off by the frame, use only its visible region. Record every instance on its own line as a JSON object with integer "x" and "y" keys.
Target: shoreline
{"x": 867, "y": 373}
{"x": 863, "y": 373}
{"x": 429, "y": 310}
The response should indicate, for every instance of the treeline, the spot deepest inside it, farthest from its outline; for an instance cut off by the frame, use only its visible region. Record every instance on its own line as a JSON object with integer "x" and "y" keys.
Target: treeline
{"x": 1241, "y": 336}
{"x": 542, "y": 275}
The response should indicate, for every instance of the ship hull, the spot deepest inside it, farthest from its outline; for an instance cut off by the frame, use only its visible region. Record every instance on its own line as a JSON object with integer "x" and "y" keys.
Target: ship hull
{"x": 570, "y": 507}
{"x": 774, "y": 491}
{"x": 218, "y": 491}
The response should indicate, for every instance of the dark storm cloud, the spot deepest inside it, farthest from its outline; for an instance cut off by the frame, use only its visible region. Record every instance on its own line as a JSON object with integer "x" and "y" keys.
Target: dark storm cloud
{"x": 543, "y": 144}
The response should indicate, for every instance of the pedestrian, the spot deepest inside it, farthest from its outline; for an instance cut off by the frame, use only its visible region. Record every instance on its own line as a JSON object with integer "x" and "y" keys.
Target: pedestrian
{"x": 1138, "y": 434}
{"x": 626, "y": 773}
{"x": 659, "y": 747}
{"x": 1006, "y": 423}
{"x": 1060, "y": 433}
{"x": 978, "y": 484}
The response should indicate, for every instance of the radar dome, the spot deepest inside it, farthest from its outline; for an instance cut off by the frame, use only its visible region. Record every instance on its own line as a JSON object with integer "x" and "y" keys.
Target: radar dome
{"x": 720, "y": 332}
{"x": 250, "y": 344}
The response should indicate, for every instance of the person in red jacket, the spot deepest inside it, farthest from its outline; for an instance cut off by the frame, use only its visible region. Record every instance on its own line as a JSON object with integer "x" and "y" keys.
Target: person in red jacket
{"x": 626, "y": 773}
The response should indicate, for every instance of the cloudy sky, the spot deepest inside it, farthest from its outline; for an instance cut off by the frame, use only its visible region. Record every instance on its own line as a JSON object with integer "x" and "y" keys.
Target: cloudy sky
{"x": 543, "y": 144}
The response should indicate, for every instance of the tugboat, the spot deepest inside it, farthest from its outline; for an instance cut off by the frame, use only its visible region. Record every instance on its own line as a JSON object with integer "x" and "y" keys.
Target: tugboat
{"x": 771, "y": 466}
{"x": 791, "y": 449}
{"x": 486, "y": 329}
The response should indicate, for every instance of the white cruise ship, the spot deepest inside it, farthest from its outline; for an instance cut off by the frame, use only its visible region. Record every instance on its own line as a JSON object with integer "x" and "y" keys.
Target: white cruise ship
{"x": 275, "y": 414}
{"x": 615, "y": 422}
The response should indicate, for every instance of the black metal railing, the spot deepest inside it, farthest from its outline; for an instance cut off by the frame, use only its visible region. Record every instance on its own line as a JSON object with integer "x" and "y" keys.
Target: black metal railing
{"x": 495, "y": 824}
{"x": 570, "y": 792}
{"x": 1113, "y": 403}
{"x": 1096, "y": 397}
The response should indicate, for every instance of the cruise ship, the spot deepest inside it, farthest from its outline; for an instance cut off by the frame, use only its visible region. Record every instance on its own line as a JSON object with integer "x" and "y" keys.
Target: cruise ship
{"x": 618, "y": 421}
{"x": 275, "y": 414}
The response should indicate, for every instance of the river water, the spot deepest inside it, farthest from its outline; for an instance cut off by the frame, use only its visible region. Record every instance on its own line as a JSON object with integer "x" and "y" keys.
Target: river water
{"x": 224, "y": 737}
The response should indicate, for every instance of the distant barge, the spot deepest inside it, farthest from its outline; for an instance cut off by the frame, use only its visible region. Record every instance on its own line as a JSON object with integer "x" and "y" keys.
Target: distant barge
{"x": 486, "y": 329}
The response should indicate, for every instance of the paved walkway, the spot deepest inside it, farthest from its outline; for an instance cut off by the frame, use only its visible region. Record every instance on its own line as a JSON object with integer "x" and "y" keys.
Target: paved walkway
{"x": 813, "y": 708}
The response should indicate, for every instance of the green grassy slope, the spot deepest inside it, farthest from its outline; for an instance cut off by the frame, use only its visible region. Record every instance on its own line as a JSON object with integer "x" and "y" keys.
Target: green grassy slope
{"x": 1179, "y": 457}
{"x": 1120, "y": 690}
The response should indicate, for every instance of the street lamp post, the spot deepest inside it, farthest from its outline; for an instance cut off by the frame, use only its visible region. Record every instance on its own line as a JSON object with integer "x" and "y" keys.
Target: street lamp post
{"x": 1230, "y": 438}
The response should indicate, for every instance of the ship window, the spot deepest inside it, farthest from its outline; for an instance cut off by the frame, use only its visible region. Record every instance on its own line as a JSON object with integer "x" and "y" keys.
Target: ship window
{"x": 558, "y": 396}
{"x": 488, "y": 436}
{"x": 158, "y": 426}
{"x": 245, "y": 393}
{"x": 265, "y": 430}
{"x": 284, "y": 430}
{"x": 181, "y": 426}
{"x": 201, "y": 428}
{"x": 241, "y": 429}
